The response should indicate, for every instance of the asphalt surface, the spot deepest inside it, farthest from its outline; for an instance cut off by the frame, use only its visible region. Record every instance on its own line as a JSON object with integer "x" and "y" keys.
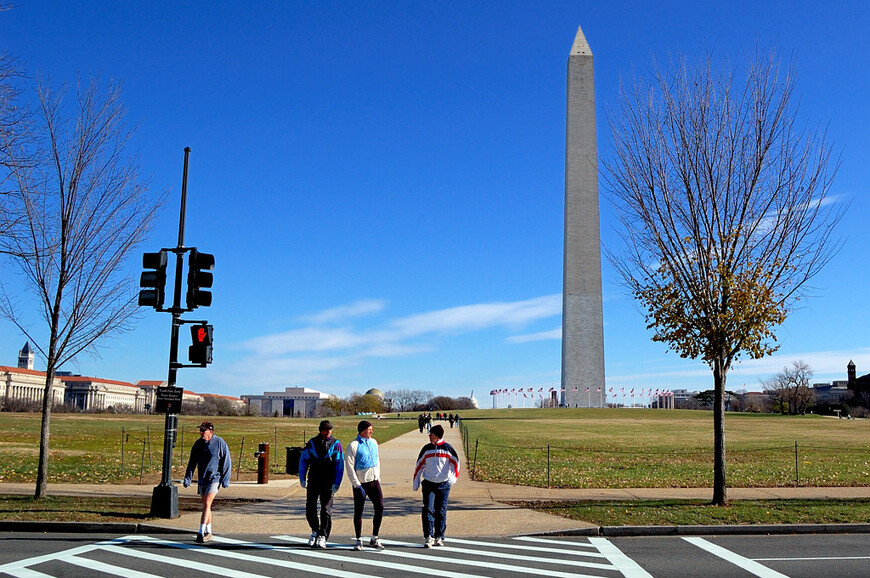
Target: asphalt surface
{"x": 477, "y": 509}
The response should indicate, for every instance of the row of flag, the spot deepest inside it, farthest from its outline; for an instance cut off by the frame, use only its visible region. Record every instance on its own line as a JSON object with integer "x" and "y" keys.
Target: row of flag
{"x": 640, "y": 393}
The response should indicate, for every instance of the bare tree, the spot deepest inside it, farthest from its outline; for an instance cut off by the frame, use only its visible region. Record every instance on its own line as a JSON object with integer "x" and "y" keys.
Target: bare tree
{"x": 406, "y": 399}
{"x": 725, "y": 213}
{"x": 791, "y": 388}
{"x": 85, "y": 207}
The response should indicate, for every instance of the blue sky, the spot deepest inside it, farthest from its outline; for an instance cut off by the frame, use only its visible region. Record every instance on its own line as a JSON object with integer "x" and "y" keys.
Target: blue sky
{"x": 382, "y": 182}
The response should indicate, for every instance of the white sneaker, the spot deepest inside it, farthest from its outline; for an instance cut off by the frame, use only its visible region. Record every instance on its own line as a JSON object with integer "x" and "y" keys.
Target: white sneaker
{"x": 312, "y": 539}
{"x": 358, "y": 546}
{"x": 321, "y": 542}
{"x": 439, "y": 541}
{"x": 430, "y": 541}
{"x": 375, "y": 543}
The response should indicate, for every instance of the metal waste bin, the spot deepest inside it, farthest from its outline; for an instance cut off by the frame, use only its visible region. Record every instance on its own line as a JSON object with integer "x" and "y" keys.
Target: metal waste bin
{"x": 293, "y": 455}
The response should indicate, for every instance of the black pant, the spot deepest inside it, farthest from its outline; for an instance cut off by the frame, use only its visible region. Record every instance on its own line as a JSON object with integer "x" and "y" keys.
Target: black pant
{"x": 323, "y": 525}
{"x": 374, "y": 493}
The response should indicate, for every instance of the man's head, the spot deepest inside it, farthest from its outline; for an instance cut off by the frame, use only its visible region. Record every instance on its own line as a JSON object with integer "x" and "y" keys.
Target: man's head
{"x": 206, "y": 430}
{"x": 325, "y": 428}
{"x": 364, "y": 428}
{"x": 436, "y": 433}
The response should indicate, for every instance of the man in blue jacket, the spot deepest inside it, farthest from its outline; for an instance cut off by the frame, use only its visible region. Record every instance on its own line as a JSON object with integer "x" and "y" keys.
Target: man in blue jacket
{"x": 211, "y": 457}
{"x": 321, "y": 467}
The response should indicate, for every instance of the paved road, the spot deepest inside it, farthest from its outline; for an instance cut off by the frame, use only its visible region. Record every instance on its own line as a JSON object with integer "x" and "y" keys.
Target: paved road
{"x": 135, "y": 556}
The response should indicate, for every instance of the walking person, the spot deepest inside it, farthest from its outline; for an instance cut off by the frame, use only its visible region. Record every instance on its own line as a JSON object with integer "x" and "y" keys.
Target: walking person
{"x": 321, "y": 467}
{"x": 436, "y": 471}
{"x": 363, "y": 468}
{"x": 210, "y": 455}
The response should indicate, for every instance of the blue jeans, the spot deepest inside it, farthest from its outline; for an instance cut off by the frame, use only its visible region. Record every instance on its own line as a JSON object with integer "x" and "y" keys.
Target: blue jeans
{"x": 435, "y": 496}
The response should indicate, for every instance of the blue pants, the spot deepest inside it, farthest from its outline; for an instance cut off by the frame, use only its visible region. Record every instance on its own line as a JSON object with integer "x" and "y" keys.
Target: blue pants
{"x": 435, "y": 498}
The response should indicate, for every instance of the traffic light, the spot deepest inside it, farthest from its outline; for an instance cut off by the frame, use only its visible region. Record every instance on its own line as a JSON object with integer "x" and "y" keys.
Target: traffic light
{"x": 200, "y": 351}
{"x": 199, "y": 278}
{"x": 153, "y": 280}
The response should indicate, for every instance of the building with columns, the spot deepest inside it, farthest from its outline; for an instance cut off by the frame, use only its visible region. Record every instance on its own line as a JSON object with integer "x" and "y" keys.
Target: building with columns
{"x": 292, "y": 402}
{"x": 22, "y": 388}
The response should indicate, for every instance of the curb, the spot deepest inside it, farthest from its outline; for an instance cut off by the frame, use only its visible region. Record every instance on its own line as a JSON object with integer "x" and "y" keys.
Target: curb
{"x": 607, "y": 531}
{"x": 717, "y": 530}
{"x": 89, "y": 527}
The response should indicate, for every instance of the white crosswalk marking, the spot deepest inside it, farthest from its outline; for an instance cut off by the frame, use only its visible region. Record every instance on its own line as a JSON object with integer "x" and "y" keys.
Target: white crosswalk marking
{"x": 184, "y": 563}
{"x": 628, "y": 567}
{"x": 454, "y": 560}
{"x": 751, "y": 566}
{"x": 529, "y": 557}
{"x": 538, "y": 549}
{"x": 324, "y": 555}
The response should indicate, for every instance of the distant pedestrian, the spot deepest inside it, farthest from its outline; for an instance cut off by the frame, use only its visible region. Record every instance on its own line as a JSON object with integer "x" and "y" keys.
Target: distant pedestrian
{"x": 450, "y": 419}
{"x": 210, "y": 455}
{"x": 363, "y": 466}
{"x": 321, "y": 467}
{"x": 421, "y": 422}
{"x": 436, "y": 471}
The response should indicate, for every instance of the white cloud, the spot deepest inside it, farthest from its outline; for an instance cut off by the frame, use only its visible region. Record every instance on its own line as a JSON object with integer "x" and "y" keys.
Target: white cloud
{"x": 481, "y": 316}
{"x": 542, "y": 336}
{"x": 343, "y": 312}
{"x": 309, "y": 354}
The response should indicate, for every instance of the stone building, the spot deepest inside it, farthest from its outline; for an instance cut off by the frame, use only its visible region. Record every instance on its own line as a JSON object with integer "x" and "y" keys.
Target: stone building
{"x": 292, "y": 402}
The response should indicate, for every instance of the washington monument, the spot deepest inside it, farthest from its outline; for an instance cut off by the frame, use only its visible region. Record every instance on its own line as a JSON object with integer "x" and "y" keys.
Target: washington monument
{"x": 582, "y": 317}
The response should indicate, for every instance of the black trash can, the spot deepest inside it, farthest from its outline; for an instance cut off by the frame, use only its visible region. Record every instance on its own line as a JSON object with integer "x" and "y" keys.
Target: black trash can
{"x": 293, "y": 455}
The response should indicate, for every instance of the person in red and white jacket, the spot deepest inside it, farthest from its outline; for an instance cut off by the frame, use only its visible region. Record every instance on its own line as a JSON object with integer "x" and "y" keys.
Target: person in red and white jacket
{"x": 436, "y": 471}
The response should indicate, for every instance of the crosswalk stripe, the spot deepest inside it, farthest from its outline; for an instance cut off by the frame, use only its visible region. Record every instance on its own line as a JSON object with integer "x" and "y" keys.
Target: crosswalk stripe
{"x": 323, "y": 555}
{"x": 248, "y": 558}
{"x": 535, "y": 559}
{"x": 628, "y": 567}
{"x": 453, "y": 560}
{"x": 550, "y": 541}
{"x": 98, "y": 566}
{"x": 528, "y": 548}
{"x": 184, "y": 563}
{"x": 26, "y": 573}
{"x": 22, "y": 564}
{"x": 750, "y": 566}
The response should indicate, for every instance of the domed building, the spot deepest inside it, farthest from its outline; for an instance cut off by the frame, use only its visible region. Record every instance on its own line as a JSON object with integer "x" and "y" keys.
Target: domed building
{"x": 375, "y": 392}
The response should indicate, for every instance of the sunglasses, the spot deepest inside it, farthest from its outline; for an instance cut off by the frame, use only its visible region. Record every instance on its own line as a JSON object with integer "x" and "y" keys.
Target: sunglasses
{"x": 203, "y": 429}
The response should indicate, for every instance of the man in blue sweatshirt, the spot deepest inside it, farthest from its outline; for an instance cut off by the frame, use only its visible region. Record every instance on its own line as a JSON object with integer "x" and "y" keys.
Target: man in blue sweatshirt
{"x": 211, "y": 457}
{"x": 321, "y": 467}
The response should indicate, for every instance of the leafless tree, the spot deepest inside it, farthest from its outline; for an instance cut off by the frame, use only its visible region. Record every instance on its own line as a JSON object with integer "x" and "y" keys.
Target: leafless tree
{"x": 723, "y": 198}
{"x": 85, "y": 208}
{"x": 13, "y": 137}
{"x": 407, "y": 399}
{"x": 791, "y": 388}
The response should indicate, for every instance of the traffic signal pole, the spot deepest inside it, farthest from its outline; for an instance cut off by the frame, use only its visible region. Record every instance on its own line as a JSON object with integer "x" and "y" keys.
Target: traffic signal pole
{"x": 164, "y": 498}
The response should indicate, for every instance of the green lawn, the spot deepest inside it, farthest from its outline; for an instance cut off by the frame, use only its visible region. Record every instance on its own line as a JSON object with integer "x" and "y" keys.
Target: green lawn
{"x": 695, "y": 512}
{"x": 624, "y": 448}
{"x": 88, "y": 448}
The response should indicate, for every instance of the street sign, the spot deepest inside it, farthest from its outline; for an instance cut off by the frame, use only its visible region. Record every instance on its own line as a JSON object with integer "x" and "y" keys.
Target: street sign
{"x": 169, "y": 399}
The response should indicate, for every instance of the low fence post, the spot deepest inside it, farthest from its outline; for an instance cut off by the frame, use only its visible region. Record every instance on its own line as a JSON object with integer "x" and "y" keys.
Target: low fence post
{"x": 142, "y": 464}
{"x": 239, "y": 468}
{"x": 123, "y": 435}
{"x": 474, "y": 467}
{"x": 797, "y": 479}
{"x": 548, "y": 466}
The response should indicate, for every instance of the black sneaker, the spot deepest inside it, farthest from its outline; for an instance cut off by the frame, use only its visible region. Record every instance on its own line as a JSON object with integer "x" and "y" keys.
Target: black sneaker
{"x": 200, "y": 539}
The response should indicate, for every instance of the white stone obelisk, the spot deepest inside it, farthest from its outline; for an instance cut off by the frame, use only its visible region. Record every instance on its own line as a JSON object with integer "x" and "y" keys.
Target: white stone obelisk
{"x": 582, "y": 316}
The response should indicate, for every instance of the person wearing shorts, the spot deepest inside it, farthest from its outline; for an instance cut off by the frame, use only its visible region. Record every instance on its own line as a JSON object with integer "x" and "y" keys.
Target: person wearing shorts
{"x": 363, "y": 467}
{"x": 210, "y": 455}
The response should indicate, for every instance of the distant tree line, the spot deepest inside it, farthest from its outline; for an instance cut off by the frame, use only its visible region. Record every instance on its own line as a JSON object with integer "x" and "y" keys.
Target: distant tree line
{"x": 394, "y": 401}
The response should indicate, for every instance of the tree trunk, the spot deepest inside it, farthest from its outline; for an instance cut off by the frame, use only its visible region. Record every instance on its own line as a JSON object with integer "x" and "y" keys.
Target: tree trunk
{"x": 720, "y": 491}
{"x": 42, "y": 467}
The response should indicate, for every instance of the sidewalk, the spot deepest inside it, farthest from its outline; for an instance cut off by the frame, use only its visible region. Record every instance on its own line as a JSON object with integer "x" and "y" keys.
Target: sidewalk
{"x": 475, "y": 508}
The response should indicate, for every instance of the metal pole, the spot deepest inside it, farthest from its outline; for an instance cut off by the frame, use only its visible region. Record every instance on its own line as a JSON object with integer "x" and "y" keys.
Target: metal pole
{"x": 548, "y": 466}
{"x": 797, "y": 478}
{"x": 164, "y": 500}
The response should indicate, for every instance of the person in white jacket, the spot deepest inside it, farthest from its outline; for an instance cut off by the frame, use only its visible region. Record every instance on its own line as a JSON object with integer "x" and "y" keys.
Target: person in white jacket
{"x": 363, "y": 467}
{"x": 436, "y": 471}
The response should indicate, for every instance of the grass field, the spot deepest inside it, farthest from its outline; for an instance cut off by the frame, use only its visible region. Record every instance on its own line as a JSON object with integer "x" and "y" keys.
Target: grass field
{"x": 88, "y": 448}
{"x": 624, "y": 448}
